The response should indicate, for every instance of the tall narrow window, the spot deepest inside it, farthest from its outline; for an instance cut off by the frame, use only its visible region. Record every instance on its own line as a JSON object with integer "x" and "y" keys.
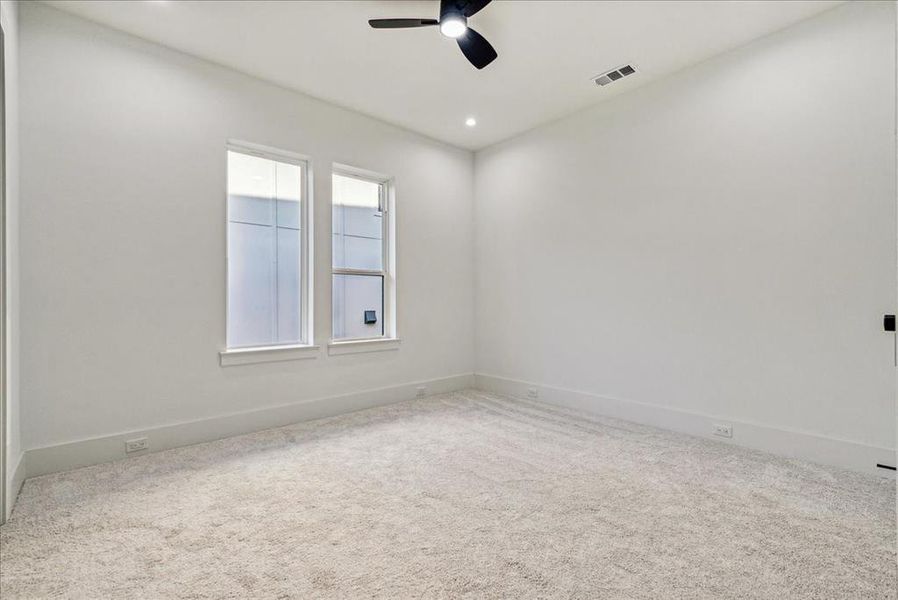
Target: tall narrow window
{"x": 362, "y": 270}
{"x": 266, "y": 237}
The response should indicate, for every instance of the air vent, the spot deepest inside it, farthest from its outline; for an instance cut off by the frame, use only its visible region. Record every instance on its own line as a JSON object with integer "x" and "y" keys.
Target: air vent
{"x": 614, "y": 74}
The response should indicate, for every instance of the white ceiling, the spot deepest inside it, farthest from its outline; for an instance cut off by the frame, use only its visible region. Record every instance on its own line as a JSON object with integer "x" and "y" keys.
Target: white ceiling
{"x": 548, "y": 52}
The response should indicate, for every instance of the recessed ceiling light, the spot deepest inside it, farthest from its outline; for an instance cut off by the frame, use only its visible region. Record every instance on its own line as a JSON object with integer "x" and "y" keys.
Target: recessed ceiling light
{"x": 470, "y": 121}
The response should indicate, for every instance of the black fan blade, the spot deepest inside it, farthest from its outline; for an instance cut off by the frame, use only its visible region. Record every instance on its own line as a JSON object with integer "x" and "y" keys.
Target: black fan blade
{"x": 474, "y": 6}
{"x": 476, "y": 49}
{"x": 449, "y": 6}
{"x": 401, "y": 23}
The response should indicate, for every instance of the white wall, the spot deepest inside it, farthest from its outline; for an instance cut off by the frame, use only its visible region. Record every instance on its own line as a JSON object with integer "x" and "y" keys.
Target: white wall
{"x": 721, "y": 242}
{"x": 10, "y": 22}
{"x": 123, "y": 236}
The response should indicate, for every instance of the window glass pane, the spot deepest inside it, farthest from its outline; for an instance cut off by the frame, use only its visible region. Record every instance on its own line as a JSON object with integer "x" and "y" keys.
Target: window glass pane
{"x": 288, "y": 192}
{"x": 357, "y": 224}
{"x": 287, "y": 209}
{"x": 251, "y": 285}
{"x": 251, "y": 187}
{"x": 289, "y": 330}
{"x": 354, "y": 299}
{"x": 264, "y": 252}
{"x": 359, "y": 252}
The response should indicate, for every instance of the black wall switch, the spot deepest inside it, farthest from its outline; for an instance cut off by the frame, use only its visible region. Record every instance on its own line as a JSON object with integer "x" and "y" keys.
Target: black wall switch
{"x": 888, "y": 322}
{"x": 370, "y": 317}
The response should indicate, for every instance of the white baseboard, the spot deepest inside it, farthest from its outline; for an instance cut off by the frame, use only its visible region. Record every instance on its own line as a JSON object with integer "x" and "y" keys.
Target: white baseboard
{"x": 82, "y": 453}
{"x": 17, "y": 478}
{"x": 785, "y": 442}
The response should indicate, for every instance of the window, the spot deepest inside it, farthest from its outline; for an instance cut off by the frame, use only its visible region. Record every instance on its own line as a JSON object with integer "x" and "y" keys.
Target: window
{"x": 267, "y": 249}
{"x": 363, "y": 283}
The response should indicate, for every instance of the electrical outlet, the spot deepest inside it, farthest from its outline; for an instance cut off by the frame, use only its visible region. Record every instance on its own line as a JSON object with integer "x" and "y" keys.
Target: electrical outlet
{"x": 532, "y": 393}
{"x": 421, "y": 391}
{"x": 137, "y": 445}
{"x": 723, "y": 430}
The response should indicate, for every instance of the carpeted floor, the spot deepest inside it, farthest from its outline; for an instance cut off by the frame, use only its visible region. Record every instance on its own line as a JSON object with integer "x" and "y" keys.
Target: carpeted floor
{"x": 462, "y": 495}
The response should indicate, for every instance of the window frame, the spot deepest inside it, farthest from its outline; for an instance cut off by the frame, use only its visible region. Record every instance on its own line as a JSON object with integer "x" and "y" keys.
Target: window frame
{"x": 277, "y": 352}
{"x": 390, "y": 338}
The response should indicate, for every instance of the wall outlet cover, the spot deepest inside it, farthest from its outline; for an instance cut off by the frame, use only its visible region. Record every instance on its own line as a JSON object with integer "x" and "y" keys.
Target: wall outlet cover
{"x": 136, "y": 445}
{"x": 421, "y": 391}
{"x": 723, "y": 430}
{"x": 532, "y": 393}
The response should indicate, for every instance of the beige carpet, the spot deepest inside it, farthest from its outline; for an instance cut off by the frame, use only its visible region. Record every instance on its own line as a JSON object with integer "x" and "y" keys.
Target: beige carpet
{"x": 463, "y": 495}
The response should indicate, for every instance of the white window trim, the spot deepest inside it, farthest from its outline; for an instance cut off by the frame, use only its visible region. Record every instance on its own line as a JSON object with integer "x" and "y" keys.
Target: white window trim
{"x": 263, "y": 354}
{"x": 364, "y": 345}
{"x": 390, "y": 339}
{"x": 305, "y": 349}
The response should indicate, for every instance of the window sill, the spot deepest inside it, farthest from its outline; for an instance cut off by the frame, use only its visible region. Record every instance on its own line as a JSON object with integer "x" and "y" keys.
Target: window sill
{"x": 262, "y": 354}
{"x": 359, "y": 346}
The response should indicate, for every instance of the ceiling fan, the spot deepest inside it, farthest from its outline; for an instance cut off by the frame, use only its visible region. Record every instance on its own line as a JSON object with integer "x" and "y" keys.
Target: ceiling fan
{"x": 453, "y": 23}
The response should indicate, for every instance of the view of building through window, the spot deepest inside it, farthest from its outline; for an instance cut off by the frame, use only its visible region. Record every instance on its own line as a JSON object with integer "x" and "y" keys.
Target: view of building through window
{"x": 358, "y": 258}
{"x": 264, "y": 251}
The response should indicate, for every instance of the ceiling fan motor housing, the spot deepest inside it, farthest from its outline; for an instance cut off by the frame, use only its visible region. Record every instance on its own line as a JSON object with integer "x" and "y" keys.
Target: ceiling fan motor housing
{"x": 453, "y": 22}
{"x": 450, "y": 11}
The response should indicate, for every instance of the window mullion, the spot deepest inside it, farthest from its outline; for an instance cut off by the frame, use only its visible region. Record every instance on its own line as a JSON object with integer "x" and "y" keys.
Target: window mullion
{"x": 349, "y": 271}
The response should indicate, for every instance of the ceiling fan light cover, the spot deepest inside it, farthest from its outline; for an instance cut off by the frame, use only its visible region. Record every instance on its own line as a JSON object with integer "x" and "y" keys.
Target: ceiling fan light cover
{"x": 453, "y": 27}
